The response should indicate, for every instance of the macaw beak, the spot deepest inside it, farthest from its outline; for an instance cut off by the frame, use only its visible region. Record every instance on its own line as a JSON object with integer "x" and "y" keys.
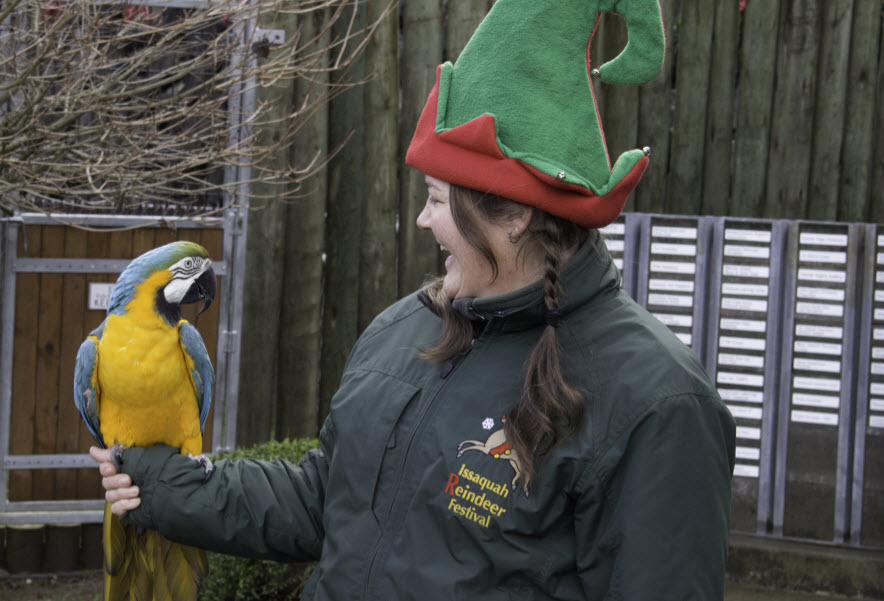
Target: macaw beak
{"x": 202, "y": 288}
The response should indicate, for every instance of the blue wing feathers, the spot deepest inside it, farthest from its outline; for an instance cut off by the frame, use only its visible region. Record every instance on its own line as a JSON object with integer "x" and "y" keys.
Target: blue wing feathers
{"x": 202, "y": 374}
{"x": 87, "y": 396}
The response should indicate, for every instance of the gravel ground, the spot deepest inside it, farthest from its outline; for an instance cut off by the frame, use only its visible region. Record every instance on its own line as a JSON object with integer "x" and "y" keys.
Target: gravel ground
{"x": 87, "y": 587}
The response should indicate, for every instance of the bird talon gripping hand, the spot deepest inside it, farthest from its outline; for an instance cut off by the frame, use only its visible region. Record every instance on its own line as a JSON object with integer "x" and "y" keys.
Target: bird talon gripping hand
{"x": 144, "y": 377}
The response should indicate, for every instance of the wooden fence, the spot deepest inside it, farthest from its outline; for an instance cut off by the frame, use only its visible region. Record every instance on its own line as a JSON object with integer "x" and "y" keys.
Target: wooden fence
{"x": 762, "y": 109}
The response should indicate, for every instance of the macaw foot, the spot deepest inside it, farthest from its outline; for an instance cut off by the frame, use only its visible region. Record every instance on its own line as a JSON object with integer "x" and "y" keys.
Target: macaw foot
{"x": 204, "y": 461}
{"x": 116, "y": 453}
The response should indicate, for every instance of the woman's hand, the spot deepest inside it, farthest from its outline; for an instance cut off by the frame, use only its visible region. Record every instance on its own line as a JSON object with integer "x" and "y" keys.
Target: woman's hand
{"x": 122, "y": 496}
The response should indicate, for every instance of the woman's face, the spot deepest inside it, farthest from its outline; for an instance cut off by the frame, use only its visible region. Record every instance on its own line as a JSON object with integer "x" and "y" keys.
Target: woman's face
{"x": 468, "y": 273}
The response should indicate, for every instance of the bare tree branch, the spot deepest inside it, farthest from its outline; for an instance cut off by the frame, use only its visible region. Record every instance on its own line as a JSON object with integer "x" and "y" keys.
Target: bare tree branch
{"x": 114, "y": 108}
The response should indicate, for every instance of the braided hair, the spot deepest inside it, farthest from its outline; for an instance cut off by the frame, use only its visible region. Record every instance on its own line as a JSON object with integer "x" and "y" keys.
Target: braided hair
{"x": 549, "y": 409}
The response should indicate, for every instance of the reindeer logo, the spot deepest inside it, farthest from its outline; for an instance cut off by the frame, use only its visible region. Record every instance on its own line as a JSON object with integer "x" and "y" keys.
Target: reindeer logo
{"x": 496, "y": 446}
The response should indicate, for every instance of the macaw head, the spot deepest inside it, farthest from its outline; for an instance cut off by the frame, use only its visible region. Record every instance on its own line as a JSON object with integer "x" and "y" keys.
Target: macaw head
{"x": 174, "y": 274}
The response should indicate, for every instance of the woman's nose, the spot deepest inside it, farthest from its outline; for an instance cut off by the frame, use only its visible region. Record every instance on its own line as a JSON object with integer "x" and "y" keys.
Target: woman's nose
{"x": 423, "y": 220}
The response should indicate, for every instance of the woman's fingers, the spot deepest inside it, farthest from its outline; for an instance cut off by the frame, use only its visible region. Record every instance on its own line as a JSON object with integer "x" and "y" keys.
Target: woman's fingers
{"x": 120, "y": 493}
{"x": 100, "y": 455}
{"x": 121, "y": 508}
{"x": 114, "y": 495}
{"x": 116, "y": 481}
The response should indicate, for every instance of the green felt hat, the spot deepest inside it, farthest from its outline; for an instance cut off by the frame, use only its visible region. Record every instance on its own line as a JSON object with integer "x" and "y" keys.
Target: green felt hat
{"x": 516, "y": 115}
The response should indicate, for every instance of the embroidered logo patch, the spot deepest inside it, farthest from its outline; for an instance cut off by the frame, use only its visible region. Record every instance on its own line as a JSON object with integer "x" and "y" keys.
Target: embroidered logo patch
{"x": 473, "y": 495}
{"x": 496, "y": 446}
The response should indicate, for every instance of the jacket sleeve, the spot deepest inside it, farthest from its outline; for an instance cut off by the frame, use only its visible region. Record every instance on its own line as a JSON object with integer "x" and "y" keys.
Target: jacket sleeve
{"x": 652, "y": 516}
{"x": 267, "y": 510}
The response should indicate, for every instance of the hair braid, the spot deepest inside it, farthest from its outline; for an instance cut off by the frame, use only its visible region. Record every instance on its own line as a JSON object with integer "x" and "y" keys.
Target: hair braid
{"x": 547, "y": 400}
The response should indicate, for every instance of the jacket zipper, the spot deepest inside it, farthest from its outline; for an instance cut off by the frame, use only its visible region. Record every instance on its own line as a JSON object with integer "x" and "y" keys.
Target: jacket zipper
{"x": 446, "y": 371}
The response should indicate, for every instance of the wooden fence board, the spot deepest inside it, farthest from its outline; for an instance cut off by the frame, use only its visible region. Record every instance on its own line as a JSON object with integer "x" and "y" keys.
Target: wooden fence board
{"x": 692, "y": 91}
{"x": 346, "y": 185}
{"x": 48, "y": 360}
{"x": 377, "y": 262}
{"x": 422, "y": 44}
{"x": 24, "y": 376}
{"x": 755, "y": 90}
{"x": 463, "y": 18}
{"x": 829, "y": 113}
{"x": 73, "y": 332}
{"x": 720, "y": 109}
{"x": 792, "y": 127}
{"x": 877, "y": 177}
{"x": 655, "y": 123}
{"x": 265, "y": 246}
{"x": 855, "y": 194}
{"x": 300, "y": 319}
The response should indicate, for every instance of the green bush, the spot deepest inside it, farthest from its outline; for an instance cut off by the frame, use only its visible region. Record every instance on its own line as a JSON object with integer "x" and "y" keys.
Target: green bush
{"x": 239, "y": 579}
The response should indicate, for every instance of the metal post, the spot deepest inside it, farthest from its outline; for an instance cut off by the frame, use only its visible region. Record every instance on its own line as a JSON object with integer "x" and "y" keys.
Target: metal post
{"x": 7, "y": 335}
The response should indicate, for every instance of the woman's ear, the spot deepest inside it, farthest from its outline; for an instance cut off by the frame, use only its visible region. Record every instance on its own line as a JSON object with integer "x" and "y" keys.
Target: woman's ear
{"x": 519, "y": 220}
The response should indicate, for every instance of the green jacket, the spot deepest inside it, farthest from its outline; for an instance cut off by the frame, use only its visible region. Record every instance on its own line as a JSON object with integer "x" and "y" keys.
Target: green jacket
{"x": 416, "y": 495}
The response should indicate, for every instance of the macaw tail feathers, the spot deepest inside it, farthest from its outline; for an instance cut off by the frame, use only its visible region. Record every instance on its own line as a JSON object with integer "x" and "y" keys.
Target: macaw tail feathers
{"x": 144, "y": 566}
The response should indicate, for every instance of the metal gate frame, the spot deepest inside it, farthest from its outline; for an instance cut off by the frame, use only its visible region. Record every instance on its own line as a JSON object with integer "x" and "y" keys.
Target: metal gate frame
{"x": 230, "y": 267}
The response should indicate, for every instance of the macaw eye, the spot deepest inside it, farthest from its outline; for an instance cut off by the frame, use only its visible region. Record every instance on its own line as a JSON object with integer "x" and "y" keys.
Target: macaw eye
{"x": 188, "y": 264}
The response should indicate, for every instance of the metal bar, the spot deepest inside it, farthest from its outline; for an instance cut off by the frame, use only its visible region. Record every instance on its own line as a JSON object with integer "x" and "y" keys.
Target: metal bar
{"x": 242, "y": 109}
{"x": 713, "y": 296}
{"x": 7, "y": 339}
{"x": 862, "y": 387}
{"x": 643, "y": 265}
{"x": 771, "y": 390}
{"x": 631, "y": 254}
{"x": 787, "y": 335}
{"x": 47, "y": 265}
{"x": 843, "y": 487}
{"x": 59, "y": 461}
{"x": 236, "y": 281}
{"x": 119, "y": 221}
{"x": 76, "y": 505}
{"x": 50, "y": 515}
{"x": 701, "y": 278}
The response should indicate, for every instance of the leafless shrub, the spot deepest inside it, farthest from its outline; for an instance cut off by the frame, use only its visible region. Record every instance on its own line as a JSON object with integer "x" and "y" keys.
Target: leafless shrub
{"x": 124, "y": 108}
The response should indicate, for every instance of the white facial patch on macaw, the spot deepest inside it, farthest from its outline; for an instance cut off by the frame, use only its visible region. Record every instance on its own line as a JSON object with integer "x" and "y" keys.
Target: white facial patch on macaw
{"x": 184, "y": 274}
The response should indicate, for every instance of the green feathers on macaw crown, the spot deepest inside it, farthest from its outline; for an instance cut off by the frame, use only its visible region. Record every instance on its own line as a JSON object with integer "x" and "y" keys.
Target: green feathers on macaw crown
{"x": 192, "y": 277}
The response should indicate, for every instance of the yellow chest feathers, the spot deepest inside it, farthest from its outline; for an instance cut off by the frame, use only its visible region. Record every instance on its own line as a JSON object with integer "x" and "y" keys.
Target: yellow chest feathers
{"x": 146, "y": 392}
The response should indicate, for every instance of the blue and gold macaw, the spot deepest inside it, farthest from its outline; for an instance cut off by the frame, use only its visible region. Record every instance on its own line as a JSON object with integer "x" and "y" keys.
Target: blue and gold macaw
{"x": 144, "y": 377}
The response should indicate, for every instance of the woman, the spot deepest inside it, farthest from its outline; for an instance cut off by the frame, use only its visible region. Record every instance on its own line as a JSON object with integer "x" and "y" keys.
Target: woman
{"x": 518, "y": 429}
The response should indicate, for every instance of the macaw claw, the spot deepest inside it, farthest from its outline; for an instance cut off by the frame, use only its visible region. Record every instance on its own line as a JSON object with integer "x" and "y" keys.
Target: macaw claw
{"x": 116, "y": 456}
{"x": 204, "y": 461}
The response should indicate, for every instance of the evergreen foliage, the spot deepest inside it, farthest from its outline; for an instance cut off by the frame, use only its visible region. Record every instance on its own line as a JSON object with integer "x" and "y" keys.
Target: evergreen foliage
{"x": 241, "y": 579}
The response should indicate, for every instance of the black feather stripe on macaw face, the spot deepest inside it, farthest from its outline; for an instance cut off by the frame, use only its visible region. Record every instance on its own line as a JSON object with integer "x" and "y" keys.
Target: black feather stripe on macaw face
{"x": 192, "y": 279}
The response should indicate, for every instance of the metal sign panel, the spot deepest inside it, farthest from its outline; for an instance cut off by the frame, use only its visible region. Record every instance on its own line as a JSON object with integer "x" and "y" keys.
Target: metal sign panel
{"x": 867, "y": 512}
{"x": 621, "y": 238}
{"x": 672, "y": 274}
{"x": 745, "y": 264}
{"x": 815, "y": 384}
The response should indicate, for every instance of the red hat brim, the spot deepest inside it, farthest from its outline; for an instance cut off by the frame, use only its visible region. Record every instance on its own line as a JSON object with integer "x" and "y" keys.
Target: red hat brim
{"x": 469, "y": 155}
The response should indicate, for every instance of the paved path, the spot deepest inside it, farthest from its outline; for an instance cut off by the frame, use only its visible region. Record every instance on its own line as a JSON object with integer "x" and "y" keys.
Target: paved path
{"x": 734, "y": 592}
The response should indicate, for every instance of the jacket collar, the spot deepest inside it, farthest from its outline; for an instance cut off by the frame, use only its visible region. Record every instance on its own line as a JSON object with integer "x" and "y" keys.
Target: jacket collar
{"x": 589, "y": 273}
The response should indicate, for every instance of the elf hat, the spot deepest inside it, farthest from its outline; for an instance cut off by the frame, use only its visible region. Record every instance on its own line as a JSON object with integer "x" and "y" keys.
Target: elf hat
{"x": 516, "y": 115}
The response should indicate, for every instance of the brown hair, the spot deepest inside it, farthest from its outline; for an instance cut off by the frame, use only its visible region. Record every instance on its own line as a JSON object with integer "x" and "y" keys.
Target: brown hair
{"x": 549, "y": 409}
